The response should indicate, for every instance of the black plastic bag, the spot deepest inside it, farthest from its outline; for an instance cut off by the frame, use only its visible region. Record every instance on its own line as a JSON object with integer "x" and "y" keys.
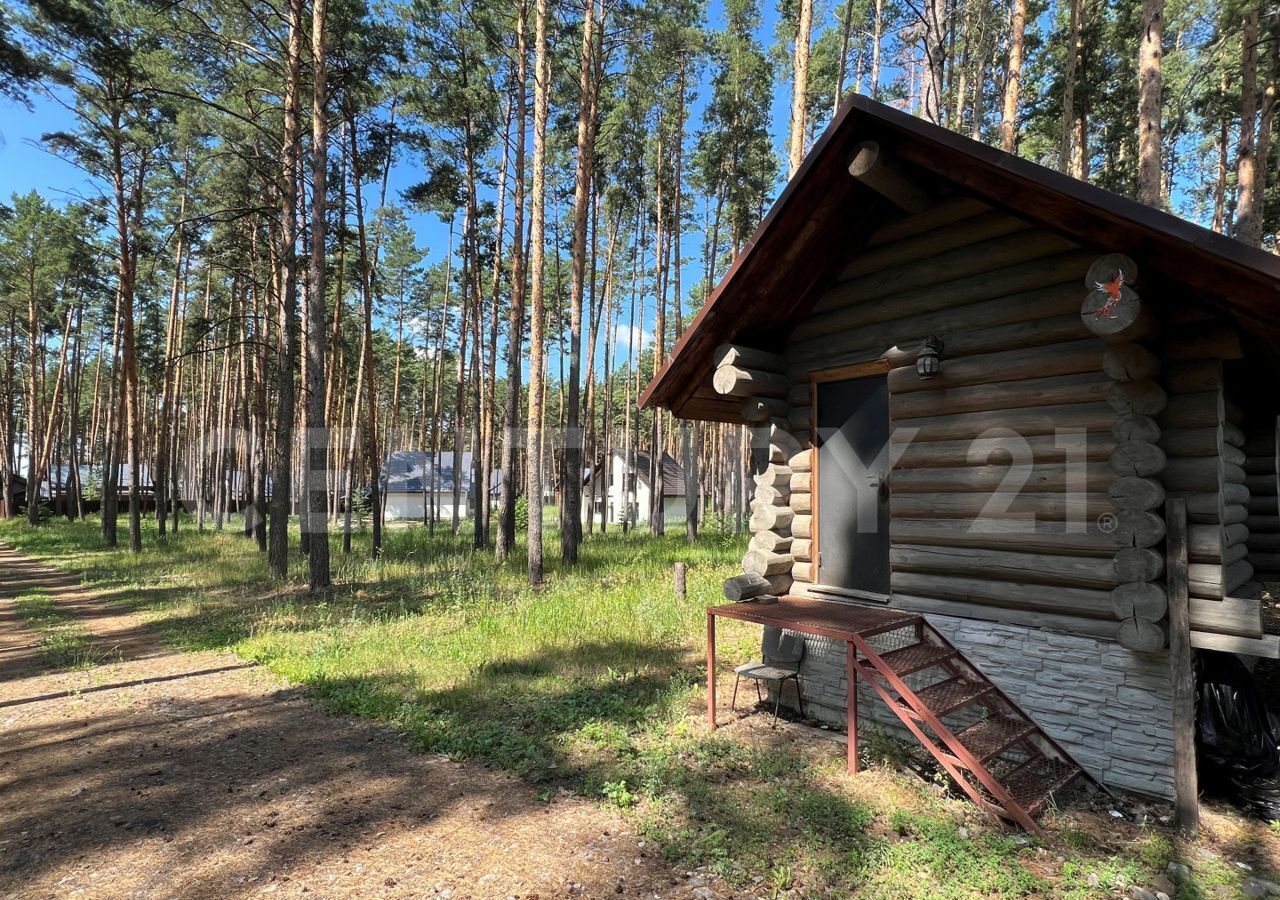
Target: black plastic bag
{"x": 1235, "y": 741}
{"x": 1259, "y": 797}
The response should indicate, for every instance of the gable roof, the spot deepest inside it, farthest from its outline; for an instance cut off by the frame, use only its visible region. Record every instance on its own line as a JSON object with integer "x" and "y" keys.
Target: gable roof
{"x": 409, "y": 470}
{"x": 672, "y": 473}
{"x": 823, "y": 213}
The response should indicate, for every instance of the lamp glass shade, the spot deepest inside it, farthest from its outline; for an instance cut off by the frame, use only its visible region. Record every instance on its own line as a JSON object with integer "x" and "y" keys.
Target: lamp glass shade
{"x": 927, "y": 363}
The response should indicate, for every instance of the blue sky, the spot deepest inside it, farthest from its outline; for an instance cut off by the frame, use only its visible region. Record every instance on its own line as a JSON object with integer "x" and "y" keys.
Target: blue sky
{"x": 26, "y": 165}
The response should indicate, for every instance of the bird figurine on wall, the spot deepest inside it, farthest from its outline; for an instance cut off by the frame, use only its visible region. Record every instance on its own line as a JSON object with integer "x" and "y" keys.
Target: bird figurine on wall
{"x": 1112, "y": 290}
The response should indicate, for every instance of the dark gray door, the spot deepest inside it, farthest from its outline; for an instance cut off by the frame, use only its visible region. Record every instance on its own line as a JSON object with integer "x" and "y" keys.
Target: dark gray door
{"x": 853, "y": 484}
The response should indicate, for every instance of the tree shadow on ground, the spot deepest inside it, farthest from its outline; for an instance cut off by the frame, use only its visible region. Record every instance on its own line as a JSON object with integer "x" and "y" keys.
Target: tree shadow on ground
{"x": 585, "y": 716}
{"x": 564, "y": 717}
{"x": 208, "y": 791}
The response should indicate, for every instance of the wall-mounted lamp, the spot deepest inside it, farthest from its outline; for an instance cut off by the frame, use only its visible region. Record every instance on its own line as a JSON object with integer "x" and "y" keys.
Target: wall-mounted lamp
{"x": 929, "y": 359}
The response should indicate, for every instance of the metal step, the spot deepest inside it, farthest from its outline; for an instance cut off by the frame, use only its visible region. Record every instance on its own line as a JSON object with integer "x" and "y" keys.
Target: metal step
{"x": 993, "y": 735}
{"x": 947, "y": 696}
{"x": 917, "y": 657}
{"x": 1033, "y": 784}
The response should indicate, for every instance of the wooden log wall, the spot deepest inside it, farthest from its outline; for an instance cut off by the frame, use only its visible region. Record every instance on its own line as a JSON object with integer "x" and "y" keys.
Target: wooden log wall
{"x": 1204, "y": 446}
{"x": 1029, "y": 476}
{"x": 1262, "y": 478}
{"x": 980, "y": 448}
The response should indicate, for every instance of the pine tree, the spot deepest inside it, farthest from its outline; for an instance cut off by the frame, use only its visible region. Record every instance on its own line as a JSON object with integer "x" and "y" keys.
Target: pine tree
{"x": 799, "y": 86}
{"x": 1013, "y": 78}
{"x": 541, "y": 102}
{"x": 515, "y": 321}
{"x": 1150, "y": 52}
{"x": 317, "y": 437}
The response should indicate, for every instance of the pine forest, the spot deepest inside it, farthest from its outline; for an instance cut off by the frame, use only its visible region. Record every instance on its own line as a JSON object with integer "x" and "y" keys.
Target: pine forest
{"x": 237, "y": 320}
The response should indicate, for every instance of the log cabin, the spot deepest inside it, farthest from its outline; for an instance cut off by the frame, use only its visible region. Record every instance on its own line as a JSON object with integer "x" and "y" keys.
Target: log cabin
{"x": 977, "y": 388}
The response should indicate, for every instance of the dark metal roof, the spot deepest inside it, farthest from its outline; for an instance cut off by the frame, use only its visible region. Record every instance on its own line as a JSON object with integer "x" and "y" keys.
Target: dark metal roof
{"x": 672, "y": 473}
{"x": 823, "y": 214}
{"x": 407, "y": 471}
{"x": 411, "y": 470}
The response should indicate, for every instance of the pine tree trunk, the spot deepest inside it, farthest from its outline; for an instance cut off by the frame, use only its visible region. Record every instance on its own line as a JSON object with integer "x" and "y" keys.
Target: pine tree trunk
{"x": 1248, "y": 198}
{"x": 168, "y": 401}
{"x": 846, "y": 27}
{"x": 606, "y": 428}
{"x": 205, "y": 405}
{"x": 173, "y": 450}
{"x": 460, "y": 372}
{"x": 595, "y": 305}
{"x": 1013, "y": 78}
{"x": 1266, "y": 122}
{"x": 354, "y": 445}
{"x": 571, "y": 508}
{"x": 7, "y": 423}
{"x": 1150, "y": 83}
{"x": 489, "y": 413}
{"x": 431, "y": 512}
{"x": 75, "y": 503}
{"x": 630, "y": 412}
{"x": 480, "y": 537}
{"x": 54, "y": 412}
{"x": 960, "y": 82}
{"x": 282, "y": 456}
{"x": 799, "y": 85}
{"x": 244, "y": 465}
{"x": 506, "y": 537}
{"x": 373, "y": 460}
{"x": 935, "y": 33}
{"x": 541, "y": 96}
{"x": 336, "y": 359}
{"x": 657, "y": 519}
{"x": 35, "y": 343}
{"x": 1065, "y": 139}
{"x": 317, "y": 442}
{"x": 124, "y": 206}
{"x": 877, "y": 35}
{"x": 260, "y": 423}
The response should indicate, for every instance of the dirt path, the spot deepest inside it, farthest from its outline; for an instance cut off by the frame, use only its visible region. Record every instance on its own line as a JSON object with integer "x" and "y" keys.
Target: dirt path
{"x": 165, "y": 774}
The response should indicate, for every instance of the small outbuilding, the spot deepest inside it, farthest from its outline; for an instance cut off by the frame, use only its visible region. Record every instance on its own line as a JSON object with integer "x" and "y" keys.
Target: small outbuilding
{"x": 1036, "y": 418}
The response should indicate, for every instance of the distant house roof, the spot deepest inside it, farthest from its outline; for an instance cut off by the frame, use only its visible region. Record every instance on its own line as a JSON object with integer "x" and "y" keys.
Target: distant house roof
{"x": 672, "y": 473}
{"x": 58, "y": 479}
{"x": 411, "y": 472}
{"x": 793, "y": 254}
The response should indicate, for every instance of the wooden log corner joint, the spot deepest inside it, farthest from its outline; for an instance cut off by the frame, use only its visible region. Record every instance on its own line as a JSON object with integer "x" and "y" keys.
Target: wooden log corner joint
{"x": 1113, "y": 311}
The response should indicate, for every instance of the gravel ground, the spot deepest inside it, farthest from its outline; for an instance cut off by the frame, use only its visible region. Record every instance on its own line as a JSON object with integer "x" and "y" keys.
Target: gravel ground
{"x": 158, "y": 773}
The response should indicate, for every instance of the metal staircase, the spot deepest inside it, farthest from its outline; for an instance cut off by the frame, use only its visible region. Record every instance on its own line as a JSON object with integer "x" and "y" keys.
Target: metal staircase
{"x": 1006, "y": 764}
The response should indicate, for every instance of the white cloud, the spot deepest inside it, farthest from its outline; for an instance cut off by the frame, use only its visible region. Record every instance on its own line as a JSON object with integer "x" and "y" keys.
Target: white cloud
{"x": 625, "y": 336}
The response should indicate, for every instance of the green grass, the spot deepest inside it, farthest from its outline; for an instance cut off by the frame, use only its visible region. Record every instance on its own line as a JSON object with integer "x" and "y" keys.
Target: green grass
{"x": 590, "y": 683}
{"x": 64, "y": 644}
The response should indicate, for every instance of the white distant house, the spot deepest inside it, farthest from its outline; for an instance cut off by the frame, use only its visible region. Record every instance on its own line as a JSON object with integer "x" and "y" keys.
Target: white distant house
{"x": 413, "y": 478}
{"x": 628, "y": 489}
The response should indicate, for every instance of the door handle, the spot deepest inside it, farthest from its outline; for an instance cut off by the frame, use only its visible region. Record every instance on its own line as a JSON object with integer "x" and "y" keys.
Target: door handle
{"x": 877, "y": 483}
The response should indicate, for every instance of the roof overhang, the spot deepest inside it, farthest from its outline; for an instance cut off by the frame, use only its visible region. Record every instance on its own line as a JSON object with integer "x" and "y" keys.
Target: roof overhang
{"x": 823, "y": 214}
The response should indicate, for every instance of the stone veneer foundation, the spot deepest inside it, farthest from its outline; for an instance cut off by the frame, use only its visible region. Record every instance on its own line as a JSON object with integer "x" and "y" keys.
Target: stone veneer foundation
{"x": 1111, "y": 708}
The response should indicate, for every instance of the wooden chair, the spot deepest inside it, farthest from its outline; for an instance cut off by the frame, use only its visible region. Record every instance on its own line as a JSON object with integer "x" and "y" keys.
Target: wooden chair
{"x": 782, "y": 652}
